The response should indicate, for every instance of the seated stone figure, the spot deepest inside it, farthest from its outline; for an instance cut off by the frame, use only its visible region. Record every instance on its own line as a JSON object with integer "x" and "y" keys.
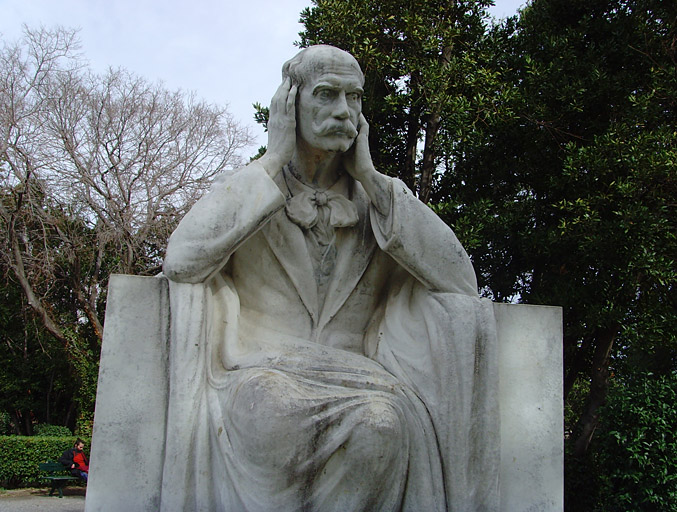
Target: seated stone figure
{"x": 329, "y": 350}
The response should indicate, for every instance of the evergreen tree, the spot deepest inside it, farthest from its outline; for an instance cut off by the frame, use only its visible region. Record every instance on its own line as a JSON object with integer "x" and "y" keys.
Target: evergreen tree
{"x": 553, "y": 157}
{"x": 423, "y": 79}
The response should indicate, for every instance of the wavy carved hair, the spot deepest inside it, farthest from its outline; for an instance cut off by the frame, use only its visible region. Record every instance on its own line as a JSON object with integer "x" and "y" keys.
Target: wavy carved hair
{"x": 308, "y": 62}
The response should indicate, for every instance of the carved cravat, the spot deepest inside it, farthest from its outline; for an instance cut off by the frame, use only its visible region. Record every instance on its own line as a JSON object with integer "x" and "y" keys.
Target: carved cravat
{"x": 303, "y": 209}
{"x": 319, "y": 213}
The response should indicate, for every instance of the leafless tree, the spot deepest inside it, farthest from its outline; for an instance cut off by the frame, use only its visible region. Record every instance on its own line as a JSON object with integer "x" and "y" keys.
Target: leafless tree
{"x": 95, "y": 171}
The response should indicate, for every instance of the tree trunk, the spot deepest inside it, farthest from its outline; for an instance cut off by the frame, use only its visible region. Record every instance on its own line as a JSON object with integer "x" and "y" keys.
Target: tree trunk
{"x": 89, "y": 307}
{"x": 599, "y": 387}
{"x": 35, "y": 303}
{"x": 15, "y": 422}
{"x": 69, "y": 420}
{"x": 428, "y": 166}
{"x": 22, "y": 422}
{"x": 577, "y": 364}
{"x": 408, "y": 174}
{"x": 433, "y": 122}
{"x": 48, "y": 399}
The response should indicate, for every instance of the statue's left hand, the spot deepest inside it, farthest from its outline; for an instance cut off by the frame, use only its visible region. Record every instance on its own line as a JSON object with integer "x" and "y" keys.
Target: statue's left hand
{"x": 357, "y": 160}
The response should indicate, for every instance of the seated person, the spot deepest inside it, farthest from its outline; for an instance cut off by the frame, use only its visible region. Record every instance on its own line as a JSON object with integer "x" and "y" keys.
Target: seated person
{"x": 75, "y": 460}
{"x": 328, "y": 350}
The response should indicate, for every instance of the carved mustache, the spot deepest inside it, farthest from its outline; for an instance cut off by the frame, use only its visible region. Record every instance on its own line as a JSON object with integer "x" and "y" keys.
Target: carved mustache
{"x": 346, "y": 129}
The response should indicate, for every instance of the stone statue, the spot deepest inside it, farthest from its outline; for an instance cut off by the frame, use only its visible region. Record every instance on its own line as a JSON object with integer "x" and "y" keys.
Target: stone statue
{"x": 329, "y": 350}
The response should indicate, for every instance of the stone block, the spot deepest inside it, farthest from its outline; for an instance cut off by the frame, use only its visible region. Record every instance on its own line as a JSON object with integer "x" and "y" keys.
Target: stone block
{"x": 131, "y": 400}
{"x": 129, "y": 422}
{"x": 531, "y": 403}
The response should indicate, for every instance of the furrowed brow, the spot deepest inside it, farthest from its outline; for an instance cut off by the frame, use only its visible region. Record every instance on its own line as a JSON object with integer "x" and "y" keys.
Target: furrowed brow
{"x": 352, "y": 88}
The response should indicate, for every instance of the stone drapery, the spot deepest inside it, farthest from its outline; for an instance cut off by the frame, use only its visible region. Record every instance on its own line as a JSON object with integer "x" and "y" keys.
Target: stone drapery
{"x": 398, "y": 364}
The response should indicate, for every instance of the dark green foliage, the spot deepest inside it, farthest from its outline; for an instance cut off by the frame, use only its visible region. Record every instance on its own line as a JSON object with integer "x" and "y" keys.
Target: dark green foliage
{"x": 5, "y": 424}
{"x": 261, "y": 115}
{"x": 47, "y": 430}
{"x": 556, "y": 164}
{"x": 568, "y": 197}
{"x": 37, "y": 382}
{"x": 632, "y": 463}
{"x": 20, "y": 456}
{"x": 424, "y": 72}
{"x": 637, "y": 445}
{"x": 259, "y": 153}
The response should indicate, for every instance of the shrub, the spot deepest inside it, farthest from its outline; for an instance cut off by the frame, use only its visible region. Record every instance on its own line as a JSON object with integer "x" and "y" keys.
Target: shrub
{"x": 45, "y": 429}
{"x": 20, "y": 456}
{"x": 631, "y": 465}
{"x": 638, "y": 446}
{"x": 5, "y": 424}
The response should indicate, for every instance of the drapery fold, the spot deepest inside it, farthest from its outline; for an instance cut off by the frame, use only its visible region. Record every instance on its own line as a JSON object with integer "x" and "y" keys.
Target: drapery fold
{"x": 431, "y": 366}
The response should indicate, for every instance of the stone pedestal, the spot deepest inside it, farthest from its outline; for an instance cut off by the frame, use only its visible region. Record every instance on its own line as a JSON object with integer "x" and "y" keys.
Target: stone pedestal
{"x": 128, "y": 441}
{"x": 131, "y": 403}
{"x": 531, "y": 402}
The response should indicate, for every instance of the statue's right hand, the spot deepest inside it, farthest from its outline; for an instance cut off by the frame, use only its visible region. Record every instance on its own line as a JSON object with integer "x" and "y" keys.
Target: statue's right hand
{"x": 281, "y": 128}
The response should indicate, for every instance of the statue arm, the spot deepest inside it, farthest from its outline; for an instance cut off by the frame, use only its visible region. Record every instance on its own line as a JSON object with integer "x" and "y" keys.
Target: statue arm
{"x": 233, "y": 210}
{"x": 407, "y": 229}
{"x": 421, "y": 243}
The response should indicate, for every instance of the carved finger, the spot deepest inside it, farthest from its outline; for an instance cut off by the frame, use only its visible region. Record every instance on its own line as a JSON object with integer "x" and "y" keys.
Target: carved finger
{"x": 364, "y": 126}
{"x": 280, "y": 96}
{"x": 291, "y": 100}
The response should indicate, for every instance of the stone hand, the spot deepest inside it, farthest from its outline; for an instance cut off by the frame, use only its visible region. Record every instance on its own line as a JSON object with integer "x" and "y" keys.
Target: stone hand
{"x": 357, "y": 160}
{"x": 281, "y": 129}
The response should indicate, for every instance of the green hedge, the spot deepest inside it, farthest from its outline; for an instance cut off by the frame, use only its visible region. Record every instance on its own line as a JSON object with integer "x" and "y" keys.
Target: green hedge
{"x": 47, "y": 430}
{"x": 20, "y": 456}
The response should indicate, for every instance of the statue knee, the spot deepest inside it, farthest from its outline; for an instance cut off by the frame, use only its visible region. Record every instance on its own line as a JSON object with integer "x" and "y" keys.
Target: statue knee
{"x": 381, "y": 429}
{"x": 261, "y": 409}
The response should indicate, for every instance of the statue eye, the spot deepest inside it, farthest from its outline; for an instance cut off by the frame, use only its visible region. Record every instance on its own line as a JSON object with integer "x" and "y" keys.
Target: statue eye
{"x": 353, "y": 96}
{"x": 326, "y": 94}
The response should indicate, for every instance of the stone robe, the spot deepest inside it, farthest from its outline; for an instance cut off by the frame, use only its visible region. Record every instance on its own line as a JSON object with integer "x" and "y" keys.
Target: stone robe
{"x": 377, "y": 392}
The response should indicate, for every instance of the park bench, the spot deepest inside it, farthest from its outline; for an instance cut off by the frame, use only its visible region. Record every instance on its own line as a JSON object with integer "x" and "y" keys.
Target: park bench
{"x": 57, "y": 475}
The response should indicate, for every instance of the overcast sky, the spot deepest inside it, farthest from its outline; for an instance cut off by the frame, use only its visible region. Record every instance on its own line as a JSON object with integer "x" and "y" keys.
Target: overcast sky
{"x": 228, "y": 52}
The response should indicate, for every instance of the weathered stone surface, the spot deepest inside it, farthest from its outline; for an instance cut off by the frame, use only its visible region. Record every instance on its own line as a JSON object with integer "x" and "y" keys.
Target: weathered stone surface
{"x": 128, "y": 442}
{"x": 327, "y": 346}
{"x": 131, "y": 401}
{"x": 531, "y": 403}
{"x": 329, "y": 350}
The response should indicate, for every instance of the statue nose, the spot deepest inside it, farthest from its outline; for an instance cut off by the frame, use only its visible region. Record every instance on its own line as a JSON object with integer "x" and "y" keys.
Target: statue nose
{"x": 341, "y": 111}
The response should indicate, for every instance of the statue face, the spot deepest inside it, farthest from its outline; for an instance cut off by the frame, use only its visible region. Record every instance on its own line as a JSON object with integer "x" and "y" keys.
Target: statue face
{"x": 329, "y": 105}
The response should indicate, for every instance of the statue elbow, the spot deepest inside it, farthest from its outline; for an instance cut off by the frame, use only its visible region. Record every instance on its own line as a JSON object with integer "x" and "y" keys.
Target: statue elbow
{"x": 177, "y": 270}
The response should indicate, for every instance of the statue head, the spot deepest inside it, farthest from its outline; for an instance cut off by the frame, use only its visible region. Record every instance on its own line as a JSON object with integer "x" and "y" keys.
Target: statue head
{"x": 312, "y": 60}
{"x": 329, "y": 98}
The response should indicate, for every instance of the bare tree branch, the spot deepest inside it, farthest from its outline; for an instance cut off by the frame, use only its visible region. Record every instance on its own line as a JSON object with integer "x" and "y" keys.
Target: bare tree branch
{"x": 95, "y": 170}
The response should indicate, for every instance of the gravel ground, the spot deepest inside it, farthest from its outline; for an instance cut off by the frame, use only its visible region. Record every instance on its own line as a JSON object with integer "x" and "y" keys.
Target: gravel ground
{"x": 38, "y": 500}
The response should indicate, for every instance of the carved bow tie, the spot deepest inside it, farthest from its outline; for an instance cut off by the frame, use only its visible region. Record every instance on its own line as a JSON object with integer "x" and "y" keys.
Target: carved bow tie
{"x": 302, "y": 209}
